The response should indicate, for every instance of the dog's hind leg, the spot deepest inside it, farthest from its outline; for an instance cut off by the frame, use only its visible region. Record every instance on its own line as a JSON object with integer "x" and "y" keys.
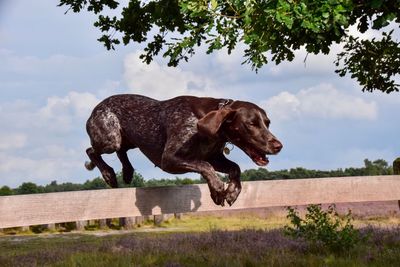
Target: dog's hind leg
{"x": 127, "y": 169}
{"x": 104, "y": 130}
{"x": 107, "y": 172}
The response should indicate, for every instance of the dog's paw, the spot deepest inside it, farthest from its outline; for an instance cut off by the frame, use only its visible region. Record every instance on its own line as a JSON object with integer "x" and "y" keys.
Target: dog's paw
{"x": 232, "y": 192}
{"x": 218, "y": 198}
{"x": 218, "y": 193}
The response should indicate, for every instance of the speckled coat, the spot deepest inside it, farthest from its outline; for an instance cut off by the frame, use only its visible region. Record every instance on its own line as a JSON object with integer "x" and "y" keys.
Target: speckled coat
{"x": 179, "y": 135}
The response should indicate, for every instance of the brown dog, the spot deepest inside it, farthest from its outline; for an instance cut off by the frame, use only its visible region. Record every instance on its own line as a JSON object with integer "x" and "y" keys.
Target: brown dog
{"x": 179, "y": 135}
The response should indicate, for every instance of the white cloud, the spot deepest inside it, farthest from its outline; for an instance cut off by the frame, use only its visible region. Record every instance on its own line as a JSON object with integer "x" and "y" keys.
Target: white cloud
{"x": 58, "y": 113}
{"x": 322, "y": 101}
{"x": 306, "y": 64}
{"x": 79, "y": 104}
{"x": 61, "y": 113}
{"x": 162, "y": 82}
{"x": 16, "y": 169}
{"x": 12, "y": 140}
{"x": 17, "y": 115}
{"x": 109, "y": 88}
{"x": 37, "y": 66}
{"x": 230, "y": 62}
{"x": 55, "y": 132}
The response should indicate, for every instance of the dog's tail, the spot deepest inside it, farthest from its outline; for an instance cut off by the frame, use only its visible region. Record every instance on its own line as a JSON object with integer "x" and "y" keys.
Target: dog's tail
{"x": 89, "y": 165}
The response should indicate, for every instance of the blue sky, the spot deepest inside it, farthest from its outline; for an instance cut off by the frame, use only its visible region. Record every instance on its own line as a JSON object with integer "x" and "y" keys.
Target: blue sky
{"x": 53, "y": 72}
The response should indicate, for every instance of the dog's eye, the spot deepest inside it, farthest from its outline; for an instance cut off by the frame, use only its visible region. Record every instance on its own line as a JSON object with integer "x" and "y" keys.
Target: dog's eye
{"x": 252, "y": 123}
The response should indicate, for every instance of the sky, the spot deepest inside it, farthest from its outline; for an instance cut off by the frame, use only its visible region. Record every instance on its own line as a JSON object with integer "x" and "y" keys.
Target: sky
{"x": 53, "y": 72}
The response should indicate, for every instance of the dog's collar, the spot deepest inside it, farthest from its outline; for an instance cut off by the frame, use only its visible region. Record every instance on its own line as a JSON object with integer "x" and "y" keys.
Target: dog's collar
{"x": 224, "y": 103}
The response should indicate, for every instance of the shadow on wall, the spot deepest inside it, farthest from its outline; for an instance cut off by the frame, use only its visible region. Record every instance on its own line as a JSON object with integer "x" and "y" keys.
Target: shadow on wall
{"x": 166, "y": 200}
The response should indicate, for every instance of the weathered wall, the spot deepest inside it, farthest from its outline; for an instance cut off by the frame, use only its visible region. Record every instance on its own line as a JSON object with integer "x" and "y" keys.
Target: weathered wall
{"x": 35, "y": 209}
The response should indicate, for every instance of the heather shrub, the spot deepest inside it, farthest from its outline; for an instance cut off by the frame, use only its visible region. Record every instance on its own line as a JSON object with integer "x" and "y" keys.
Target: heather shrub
{"x": 323, "y": 229}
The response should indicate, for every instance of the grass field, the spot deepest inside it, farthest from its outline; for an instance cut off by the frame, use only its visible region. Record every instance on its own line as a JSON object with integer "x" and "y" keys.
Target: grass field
{"x": 242, "y": 240}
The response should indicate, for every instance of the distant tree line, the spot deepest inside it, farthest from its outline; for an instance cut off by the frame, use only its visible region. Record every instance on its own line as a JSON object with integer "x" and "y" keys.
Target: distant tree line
{"x": 377, "y": 167}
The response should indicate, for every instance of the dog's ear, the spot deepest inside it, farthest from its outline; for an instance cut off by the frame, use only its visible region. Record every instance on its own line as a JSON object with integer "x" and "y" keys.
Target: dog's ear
{"x": 212, "y": 121}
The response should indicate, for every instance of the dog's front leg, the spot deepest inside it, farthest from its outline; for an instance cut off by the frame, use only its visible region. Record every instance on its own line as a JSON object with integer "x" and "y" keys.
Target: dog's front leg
{"x": 222, "y": 164}
{"x": 178, "y": 165}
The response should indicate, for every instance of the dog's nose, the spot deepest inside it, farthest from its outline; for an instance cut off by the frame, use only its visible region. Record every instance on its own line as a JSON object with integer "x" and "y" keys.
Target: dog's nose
{"x": 277, "y": 146}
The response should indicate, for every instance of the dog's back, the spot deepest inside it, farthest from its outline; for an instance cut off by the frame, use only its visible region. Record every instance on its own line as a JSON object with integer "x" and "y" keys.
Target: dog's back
{"x": 123, "y": 122}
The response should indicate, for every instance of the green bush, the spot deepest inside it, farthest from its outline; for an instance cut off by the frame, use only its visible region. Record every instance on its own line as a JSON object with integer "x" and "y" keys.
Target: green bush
{"x": 6, "y": 191}
{"x": 37, "y": 229}
{"x": 67, "y": 226}
{"x": 323, "y": 229}
{"x": 396, "y": 166}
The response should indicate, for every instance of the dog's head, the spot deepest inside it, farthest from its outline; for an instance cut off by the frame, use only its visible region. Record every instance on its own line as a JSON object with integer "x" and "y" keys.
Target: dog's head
{"x": 245, "y": 125}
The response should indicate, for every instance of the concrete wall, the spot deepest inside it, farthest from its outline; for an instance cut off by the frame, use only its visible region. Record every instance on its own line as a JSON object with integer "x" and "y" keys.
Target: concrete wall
{"x": 24, "y": 210}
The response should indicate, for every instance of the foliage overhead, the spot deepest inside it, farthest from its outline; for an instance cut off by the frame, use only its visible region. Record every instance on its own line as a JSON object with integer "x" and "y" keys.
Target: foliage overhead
{"x": 270, "y": 30}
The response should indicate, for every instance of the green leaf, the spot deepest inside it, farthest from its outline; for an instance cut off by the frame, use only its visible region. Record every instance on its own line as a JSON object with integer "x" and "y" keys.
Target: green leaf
{"x": 376, "y": 3}
{"x": 214, "y": 4}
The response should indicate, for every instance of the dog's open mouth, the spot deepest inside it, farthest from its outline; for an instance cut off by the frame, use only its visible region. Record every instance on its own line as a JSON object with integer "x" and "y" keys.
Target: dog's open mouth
{"x": 257, "y": 156}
